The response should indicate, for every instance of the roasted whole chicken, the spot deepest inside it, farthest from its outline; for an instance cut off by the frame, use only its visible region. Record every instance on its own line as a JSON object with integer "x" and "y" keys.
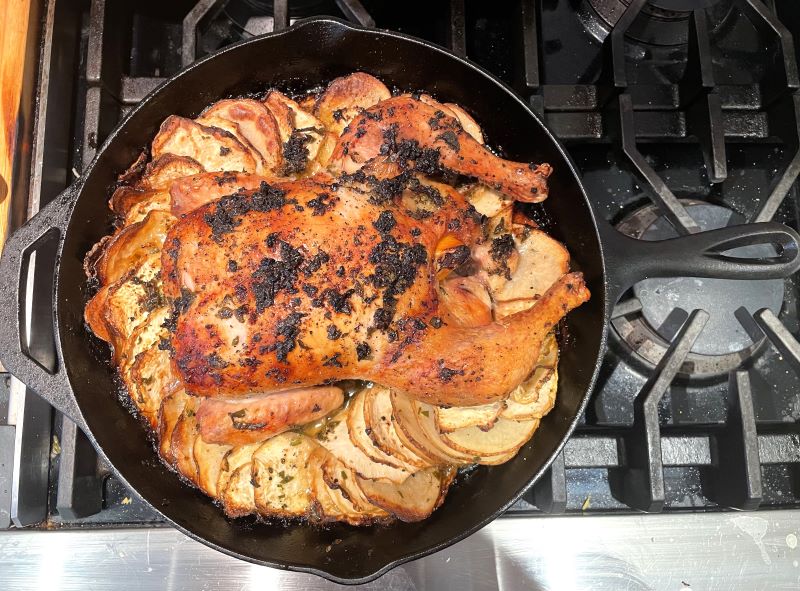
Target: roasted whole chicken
{"x": 324, "y": 306}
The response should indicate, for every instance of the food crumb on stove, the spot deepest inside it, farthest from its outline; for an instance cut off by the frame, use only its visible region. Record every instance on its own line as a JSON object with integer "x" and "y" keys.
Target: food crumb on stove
{"x": 55, "y": 447}
{"x": 127, "y": 501}
{"x": 587, "y": 502}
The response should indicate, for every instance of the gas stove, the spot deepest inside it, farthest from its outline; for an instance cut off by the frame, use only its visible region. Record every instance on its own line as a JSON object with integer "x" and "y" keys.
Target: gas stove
{"x": 682, "y": 116}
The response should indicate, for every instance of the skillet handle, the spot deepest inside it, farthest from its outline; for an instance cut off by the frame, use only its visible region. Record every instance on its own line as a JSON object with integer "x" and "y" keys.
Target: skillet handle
{"x": 629, "y": 260}
{"x": 51, "y": 383}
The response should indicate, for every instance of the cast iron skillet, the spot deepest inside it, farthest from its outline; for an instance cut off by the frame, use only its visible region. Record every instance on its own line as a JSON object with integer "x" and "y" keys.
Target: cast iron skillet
{"x": 309, "y": 54}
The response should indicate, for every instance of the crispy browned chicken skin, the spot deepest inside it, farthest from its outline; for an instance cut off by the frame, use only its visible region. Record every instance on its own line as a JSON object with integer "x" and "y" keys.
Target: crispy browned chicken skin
{"x": 405, "y": 128}
{"x": 298, "y": 284}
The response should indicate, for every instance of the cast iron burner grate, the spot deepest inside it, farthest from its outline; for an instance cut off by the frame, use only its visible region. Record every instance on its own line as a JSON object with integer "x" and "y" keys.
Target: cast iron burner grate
{"x": 681, "y": 115}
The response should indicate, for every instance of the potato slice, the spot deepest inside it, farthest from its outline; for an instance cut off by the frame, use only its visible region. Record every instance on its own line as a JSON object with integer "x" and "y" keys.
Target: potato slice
{"x": 238, "y": 497}
{"x": 423, "y": 436}
{"x": 157, "y": 201}
{"x": 323, "y": 507}
{"x": 166, "y": 168}
{"x": 378, "y": 411}
{"x": 213, "y": 148}
{"x": 293, "y": 119}
{"x": 361, "y": 434}
{"x": 534, "y": 398}
{"x": 542, "y": 384}
{"x": 542, "y": 261}
{"x": 254, "y": 125}
{"x": 331, "y": 503}
{"x": 232, "y": 461}
{"x": 125, "y": 304}
{"x": 487, "y": 201}
{"x": 336, "y": 439}
{"x": 151, "y": 379}
{"x": 414, "y": 499}
{"x": 467, "y": 122}
{"x": 209, "y": 457}
{"x": 182, "y": 440}
{"x": 502, "y": 439}
{"x": 145, "y": 336}
{"x": 132, "y": 245}
{"x": 282, "y": 475}
{"x": 459, "y": 417}
{"x": 339, "y": 476}
{"x": 168, "y": 416}
{"x": 216, "y": 122}
{"x": 345, "y": 97}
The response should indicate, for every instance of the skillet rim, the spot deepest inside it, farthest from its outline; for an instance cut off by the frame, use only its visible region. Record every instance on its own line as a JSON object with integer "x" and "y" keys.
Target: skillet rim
{"x": 573, "y": 171}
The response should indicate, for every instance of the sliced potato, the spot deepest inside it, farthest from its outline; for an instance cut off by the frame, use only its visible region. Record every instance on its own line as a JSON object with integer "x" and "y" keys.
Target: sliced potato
{"x": 253, "y": 124}
{"x": 542, "y": 261}
{"x": 292, "y": 118}
{"x": 414, "y": 499}
{"x": 231, "y": 127}
{"x": 238, "y": 496}
{"x": 156, "y": 201}
{"x": 459, "y": 417}
{"x": 168, "y": 167}
{"x": 339, "y": 476}
{"x": 467, "y": 122}
{"x": 168, "y": 416}
{"x": 534, "y": 398}
{"x": 183, "y": 438}
{"x": 336, "y": 439}
{"x": 209, "y": 458}
{"x": 424, "y": 436}
{"x": 345, "y": 97}
{"x": 132, "y": 245}
{"x": 487, "y": 201}
{"x": 282, "y": 475}
{"x": 510, "y": 307}
{"x": 361, "y": 434}
{"x": 232, "y": 461}
{"x": 378, "y": 408}
{"x": 144, "y": 337}
{"x": 331, "y": 503}
{"x": 322, "y": 506}
{"x": 150, "y": 379}
{"x": 124, "y": 303}
{"x": 503, "y": 438}
{"x": 213, "y": 148}
{"x": 541, "y": 386}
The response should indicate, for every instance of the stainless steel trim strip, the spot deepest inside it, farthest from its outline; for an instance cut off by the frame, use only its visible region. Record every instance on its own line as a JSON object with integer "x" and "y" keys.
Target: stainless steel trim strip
{"x": 712, "y": 552}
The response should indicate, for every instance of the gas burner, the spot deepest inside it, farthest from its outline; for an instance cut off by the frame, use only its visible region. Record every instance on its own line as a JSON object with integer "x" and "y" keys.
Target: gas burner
{"x": 240, "y": 11}
{"x": 660, "y": 22}
{"x": 663, "y": 304}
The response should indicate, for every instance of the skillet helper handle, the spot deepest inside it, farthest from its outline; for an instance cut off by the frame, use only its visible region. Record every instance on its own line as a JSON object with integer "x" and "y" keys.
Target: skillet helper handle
{"x": 699, "y": 255}
{"x": 51, "y": 383}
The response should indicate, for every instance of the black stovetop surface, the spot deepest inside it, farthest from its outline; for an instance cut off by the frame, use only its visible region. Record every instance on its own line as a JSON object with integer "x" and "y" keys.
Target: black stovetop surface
{"x": 705, "y": 101}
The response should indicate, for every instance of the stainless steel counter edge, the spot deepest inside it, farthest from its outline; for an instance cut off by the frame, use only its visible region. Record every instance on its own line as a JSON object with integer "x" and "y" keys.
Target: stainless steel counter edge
{"x": 712, "y": 551}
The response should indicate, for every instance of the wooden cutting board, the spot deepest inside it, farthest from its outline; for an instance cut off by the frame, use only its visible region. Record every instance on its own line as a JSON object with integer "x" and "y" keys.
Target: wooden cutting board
{"x": 14, "y": 30}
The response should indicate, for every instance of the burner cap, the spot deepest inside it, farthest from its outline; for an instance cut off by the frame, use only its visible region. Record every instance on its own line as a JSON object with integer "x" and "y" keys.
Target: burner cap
{"x": 660, "y": 22}
{"x": 683, "y": 4}
{"x": 719, "y": 297}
